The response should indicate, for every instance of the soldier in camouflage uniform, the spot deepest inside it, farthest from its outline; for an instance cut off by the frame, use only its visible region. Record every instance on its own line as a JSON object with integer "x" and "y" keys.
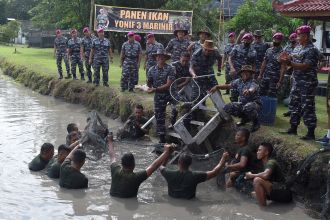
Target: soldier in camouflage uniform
{"x": 241, "y": 54}
{"x": 203, "y": 35}
{"x": 249, "y": 104}
{"x": 287, "y": 77}
{"x": 86, "y": 47}
{"x": 74, "y": 45}
{"x": 99, "y": 56}
{"x": 102, "y": 19}
{"x": 272, "y": 72}
{"x": 130, "y": 58}
{"x": 151, "y": 47}
{"x": 160, "y": 78}
{"x": 132, "y": 128}
{"x": 303, "y": 60}
{"x": 228, "y": 49}
{"x": 178, "y": 45}
{"x": 260, "y": 47}
{"x": 202, "y": 63}
{"x": 181, "y": 70}
{"x": 60, "y": 52}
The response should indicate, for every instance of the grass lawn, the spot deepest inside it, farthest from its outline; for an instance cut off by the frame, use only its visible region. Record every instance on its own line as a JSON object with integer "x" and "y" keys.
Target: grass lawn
{"x": 42, "y": 60}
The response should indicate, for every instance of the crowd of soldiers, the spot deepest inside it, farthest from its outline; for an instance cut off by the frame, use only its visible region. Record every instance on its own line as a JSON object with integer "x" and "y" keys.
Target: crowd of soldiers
{"x": 255, "y": 167}
{"x": 253, "y": 68}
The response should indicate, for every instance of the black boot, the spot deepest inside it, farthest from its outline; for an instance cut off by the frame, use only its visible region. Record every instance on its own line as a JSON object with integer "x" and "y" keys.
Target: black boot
{"x": 291, "y": 131}
{"x": 310, "y": 135}
{"x": 68, "y": 76}
{"x": 287, "y": 114}
{"x": 255, "y": 126}
{"x": 162, "y": 138}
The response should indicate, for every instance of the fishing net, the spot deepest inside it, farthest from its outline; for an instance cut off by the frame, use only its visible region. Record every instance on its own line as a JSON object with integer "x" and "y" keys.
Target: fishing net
{"x": 185, "y": 90}
{"x": 93, "y": 138}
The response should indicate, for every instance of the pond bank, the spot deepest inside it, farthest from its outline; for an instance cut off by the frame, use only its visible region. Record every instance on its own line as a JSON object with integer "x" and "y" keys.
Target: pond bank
{"x": 290, "y": 151}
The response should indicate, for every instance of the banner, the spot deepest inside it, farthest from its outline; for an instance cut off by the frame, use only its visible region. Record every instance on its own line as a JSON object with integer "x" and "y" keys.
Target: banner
{"x": 139, "y": 20}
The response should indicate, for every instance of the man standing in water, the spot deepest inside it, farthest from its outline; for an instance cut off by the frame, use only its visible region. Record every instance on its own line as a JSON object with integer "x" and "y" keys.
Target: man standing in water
{"x": 125, "y": 182}
{"x": 99, "y": 56}
{"x": 70, "y": 175}
{"x": 42, "y": 160}
{"x": 182, "y": 183}
{"x": 60, "y": 52}
{"x": 160, "y": 78}
{"x": 130, "y": 58}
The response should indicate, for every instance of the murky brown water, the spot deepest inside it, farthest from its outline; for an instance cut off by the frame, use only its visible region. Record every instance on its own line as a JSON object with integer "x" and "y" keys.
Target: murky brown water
{"x": 28, "y": 119}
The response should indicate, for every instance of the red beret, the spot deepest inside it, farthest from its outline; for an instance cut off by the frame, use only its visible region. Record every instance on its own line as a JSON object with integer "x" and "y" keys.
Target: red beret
{"x": 278, "y": 36}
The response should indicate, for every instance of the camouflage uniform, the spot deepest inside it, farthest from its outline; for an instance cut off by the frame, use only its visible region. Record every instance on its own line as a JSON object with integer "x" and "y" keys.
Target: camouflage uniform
{"x": 272, "y": 72}
{"x": 287, "y": 77}
{"x": 132, "y": 128}
{"x": 176, "y": 47}
{"x": 87, "y": 46}
{"x": 260, "y": 49}
{"x": 130, "y": 72}
{"x": 74, "y": 46}
{"x": 60, "y": 45}
{"x": 304, "y": 86}
{"x": 203, "y": 65}
{"x": 151, "y": 49}
{"x": 241, "y": 55}
{"x": 196, "y": 46}
{"x": 228, "y": 48}
{"x": 248, "y": 106}
{"x": 101, "y": 49}
{"x": 180, "y": 71}
{"x": 158, "y": 77}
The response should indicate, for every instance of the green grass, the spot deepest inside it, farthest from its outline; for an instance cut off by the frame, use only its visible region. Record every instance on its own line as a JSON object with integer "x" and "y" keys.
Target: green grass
{"x": 42, "y": 61}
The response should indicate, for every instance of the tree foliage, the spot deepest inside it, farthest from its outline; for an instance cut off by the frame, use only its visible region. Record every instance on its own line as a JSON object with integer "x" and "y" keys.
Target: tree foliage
{"x": 18, "y": 9}
{"x": 204, "y": 17}
{"x": 75, "y": 13}
{"x": 259, "y": 15}
{"x": 9, "y": 31}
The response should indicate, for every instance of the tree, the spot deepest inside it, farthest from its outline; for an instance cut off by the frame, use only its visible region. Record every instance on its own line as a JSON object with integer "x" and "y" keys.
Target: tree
{"x": 204, "y": 17}
{"x": 3, "y": 18}
{"x": 9, "y": 31}
{"x": 259, "y": 15}
{"x": 75, "y": 13}
{"x": 19, "y": 9}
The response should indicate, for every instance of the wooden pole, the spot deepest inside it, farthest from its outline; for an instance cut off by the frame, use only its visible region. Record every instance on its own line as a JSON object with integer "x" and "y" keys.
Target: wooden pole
{"x": 91, "y": 26}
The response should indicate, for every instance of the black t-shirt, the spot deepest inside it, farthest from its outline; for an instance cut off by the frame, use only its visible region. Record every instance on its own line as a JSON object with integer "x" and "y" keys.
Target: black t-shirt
{"x": 183, "y": 184}
{"x": 38, "y": 164}
{"x": 125, "y": 184}
{"x": 71, "y": 178}
{"x": 53, "y": 170}
{"x": 277, "y": 175}
{"x": 246, "y": 152}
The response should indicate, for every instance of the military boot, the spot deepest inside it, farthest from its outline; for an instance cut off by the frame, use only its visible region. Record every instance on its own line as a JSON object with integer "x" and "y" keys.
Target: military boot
{"x": 310, "y": 135}
{"x": 291, "y": 131}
